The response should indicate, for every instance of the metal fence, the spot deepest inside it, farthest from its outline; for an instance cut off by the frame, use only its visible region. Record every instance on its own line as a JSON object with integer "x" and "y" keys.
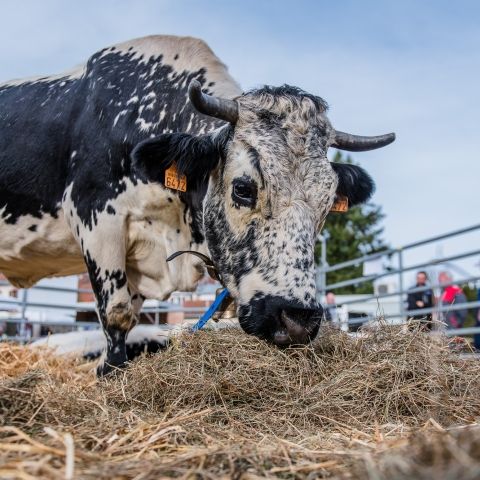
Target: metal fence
{"x": 19, "y": 309}
{"x": 397, "y": 267}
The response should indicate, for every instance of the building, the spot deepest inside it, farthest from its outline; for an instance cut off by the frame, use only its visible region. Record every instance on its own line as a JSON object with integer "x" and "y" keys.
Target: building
{"x": 181, "y": 307}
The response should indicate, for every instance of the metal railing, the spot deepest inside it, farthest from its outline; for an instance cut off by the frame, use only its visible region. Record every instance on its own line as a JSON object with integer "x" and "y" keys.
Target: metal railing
{"x": 23, "y": 305}
{"x": 396, "y": 256}
{"x": 17, "y": 309}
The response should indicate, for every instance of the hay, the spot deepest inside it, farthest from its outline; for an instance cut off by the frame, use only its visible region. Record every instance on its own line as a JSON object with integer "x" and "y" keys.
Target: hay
{"x": 224, "y": 404}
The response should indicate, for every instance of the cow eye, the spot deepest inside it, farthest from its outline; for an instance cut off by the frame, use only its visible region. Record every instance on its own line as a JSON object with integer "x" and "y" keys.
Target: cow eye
{"x": 244, "y": 192}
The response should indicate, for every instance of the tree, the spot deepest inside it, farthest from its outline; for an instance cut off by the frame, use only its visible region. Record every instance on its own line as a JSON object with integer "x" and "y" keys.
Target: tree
{"x": 352, "y": 234}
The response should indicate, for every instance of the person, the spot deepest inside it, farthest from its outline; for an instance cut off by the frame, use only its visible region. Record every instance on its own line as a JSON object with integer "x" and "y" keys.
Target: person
{"x": 331, "y": 313}
{"x": 452, "y": 295}
{"x": 418, "y": 300}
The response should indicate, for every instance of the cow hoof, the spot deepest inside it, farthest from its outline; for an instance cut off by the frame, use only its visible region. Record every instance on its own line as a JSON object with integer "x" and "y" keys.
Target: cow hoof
{"x": 107, "y": 369}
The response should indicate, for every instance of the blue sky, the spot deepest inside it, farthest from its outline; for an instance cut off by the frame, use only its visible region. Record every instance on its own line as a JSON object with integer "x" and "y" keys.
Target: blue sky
{"x": 412, "y": 67}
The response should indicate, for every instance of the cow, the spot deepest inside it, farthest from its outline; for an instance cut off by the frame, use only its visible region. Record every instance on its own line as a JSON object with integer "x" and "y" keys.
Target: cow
{"x": 85, "y": 160}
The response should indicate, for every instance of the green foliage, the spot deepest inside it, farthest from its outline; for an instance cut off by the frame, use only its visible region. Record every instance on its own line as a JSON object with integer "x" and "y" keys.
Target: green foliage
{"x": 471, "y": 295}
{"x": 352, "y": 234}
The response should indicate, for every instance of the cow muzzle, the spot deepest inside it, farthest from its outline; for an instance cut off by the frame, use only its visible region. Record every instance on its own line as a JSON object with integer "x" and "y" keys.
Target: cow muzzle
{"x": 282, "y": 322}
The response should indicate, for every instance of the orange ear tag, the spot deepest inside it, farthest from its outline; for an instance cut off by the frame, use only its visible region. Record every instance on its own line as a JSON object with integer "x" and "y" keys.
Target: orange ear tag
{"x": 340, "y": 205}
{"x": 173, "y": 180}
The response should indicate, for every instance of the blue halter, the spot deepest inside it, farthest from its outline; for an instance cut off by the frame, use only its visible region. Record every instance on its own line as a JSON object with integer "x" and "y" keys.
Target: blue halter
{"x": 212, "y": 271}
{"x": 211, "y": 310}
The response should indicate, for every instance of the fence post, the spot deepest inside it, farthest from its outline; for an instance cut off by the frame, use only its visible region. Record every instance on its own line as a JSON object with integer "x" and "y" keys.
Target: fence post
{"x": 400, "y": 284}
{"x": 321, "y": 273}
{"x": 343, "y": 318}
{"x": 23, "y": 312}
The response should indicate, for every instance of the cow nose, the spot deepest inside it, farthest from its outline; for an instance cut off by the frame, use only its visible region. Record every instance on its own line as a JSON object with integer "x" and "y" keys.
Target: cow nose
{"x": 295, "y": 326}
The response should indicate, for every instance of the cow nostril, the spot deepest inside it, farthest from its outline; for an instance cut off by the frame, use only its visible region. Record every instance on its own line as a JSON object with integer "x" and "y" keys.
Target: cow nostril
{"x": 283, "y": 337}
{"x": 294, "y": 329}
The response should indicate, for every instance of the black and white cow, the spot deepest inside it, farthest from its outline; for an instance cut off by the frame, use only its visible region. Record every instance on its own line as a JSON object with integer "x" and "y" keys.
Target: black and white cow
{"x": 83, "y": 158}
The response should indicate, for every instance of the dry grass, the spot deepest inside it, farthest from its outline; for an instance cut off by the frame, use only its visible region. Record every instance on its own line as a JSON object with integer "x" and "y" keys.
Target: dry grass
{"x": 223, "y": 404}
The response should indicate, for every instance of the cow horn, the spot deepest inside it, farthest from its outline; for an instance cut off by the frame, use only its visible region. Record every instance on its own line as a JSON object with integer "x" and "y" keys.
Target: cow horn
{"x": 212, "y": 106}
{"x": 358, "y": 143}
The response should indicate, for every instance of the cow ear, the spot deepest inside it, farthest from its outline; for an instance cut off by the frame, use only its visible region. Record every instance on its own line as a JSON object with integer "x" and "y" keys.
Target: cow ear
{"x": 353, "y": 182}
{"x": 194, "y": 156}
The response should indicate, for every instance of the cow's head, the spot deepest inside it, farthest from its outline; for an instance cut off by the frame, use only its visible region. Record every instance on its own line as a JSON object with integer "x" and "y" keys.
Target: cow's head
{"x": 270, "y": 188}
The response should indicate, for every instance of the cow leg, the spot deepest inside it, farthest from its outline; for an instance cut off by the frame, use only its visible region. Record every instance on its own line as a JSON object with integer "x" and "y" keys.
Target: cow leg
{"x": 105, "y": 256}
{"x": 115, "y": 311}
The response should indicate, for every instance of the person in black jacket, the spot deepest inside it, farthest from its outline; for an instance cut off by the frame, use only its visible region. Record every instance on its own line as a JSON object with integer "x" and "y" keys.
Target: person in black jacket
{"x": 420, "y": 300}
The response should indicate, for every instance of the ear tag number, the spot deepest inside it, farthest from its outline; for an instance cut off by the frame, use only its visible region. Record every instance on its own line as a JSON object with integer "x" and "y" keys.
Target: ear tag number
{"x": 340, "y": 205}
{"x": 173, "y": 180}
